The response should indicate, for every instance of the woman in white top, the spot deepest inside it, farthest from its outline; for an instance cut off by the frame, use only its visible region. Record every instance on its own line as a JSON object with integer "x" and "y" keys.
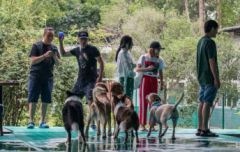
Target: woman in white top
{"x": 125, "y": 65}
{"x": 151, "y": 64}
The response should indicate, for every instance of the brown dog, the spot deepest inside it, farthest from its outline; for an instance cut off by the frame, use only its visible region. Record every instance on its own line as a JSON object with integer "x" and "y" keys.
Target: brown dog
{"x": 160, "y": 113}
{"x": 100, "y": 110}
{"x": 126, "y": 118}
{"x": 117, "y": 90}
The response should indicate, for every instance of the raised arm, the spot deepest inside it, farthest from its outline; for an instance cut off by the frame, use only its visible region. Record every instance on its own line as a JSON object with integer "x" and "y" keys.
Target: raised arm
{"x": 63, "y": 52}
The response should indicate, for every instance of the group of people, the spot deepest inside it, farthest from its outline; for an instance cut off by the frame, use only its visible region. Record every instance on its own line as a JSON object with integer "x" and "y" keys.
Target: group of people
{"x": 151, "y": 65}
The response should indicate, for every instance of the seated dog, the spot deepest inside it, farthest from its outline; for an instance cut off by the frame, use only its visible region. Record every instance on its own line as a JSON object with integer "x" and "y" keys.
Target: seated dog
{"x": 72, "y": 115}
{"x": 160, "y": 113}
{"x": 100, "y": 110}
{"x": 126, "y": 118}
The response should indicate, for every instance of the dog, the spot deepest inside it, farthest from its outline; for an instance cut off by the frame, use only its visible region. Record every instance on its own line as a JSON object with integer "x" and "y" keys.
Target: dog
{"x": 117, "y": 90}
{"x": 100, "y": 110}
{"x": 126, "y": 118}
{"x": 160, "y": 113}
{"x": 72, "y": 116}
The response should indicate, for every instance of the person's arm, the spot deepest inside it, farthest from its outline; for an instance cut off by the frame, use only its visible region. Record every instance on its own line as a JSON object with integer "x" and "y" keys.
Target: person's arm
{"x": 161, "y": 79}
{"x": 63, "y": 52}
{"x": 214, "y": 72}
{"x": 38, "y": 59}
{"x": 140, "y": 69}
{"x": 100, "y": 61}
{"x": 56, "y": 59}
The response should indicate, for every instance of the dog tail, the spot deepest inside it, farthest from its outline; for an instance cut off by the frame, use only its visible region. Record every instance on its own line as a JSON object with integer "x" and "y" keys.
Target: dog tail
{"x": 179, "y": 100}
{"x": 75, "y": 127}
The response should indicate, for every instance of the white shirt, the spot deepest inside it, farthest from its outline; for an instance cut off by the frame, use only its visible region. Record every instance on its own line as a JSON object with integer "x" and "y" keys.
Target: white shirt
{"x": 124, "y": 64}
{"x": 156, "y": 62}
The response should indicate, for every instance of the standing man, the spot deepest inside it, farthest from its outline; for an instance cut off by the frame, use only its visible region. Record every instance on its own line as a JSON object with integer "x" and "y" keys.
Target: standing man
{"x": 87, "y": 56}
{"x": 44, "y": 56}
{"x": 208, "y": 76}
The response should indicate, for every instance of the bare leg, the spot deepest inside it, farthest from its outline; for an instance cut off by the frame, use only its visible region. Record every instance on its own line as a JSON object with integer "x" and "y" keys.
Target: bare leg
{"x": 205, "y": 116}
{"x": 200, "y": 110}
{"x": 43, "y": 111}
{"x": 32, "y": 109}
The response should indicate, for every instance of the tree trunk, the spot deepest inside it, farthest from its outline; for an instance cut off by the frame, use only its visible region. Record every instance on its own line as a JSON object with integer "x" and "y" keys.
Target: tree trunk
{"x": 201, "y": 13}
{"x": 219, "y": 14}
{"x": 186, "y": 9}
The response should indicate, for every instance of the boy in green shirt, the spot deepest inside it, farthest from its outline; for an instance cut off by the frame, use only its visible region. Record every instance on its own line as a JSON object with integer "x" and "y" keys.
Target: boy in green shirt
{"x": 208, "y": 76}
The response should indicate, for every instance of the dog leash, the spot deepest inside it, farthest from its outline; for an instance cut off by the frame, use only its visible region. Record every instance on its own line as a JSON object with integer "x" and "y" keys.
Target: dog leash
{"x": 154, "y": 116}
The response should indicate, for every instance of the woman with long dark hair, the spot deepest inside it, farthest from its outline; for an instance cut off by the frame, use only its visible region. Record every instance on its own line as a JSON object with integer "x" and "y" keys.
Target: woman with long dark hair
{"x": 125, "y": 65}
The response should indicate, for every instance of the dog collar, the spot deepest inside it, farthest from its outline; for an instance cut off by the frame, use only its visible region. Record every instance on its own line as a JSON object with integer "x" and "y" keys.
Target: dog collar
{"x": 156, "y": 104}
{"x": 154, "y": 116}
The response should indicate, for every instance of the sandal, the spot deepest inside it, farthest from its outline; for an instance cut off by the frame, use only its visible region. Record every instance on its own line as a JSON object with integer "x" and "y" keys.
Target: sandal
{"x": 208, "y": 133}
{"x": 155, "y": 130}
{"x": 198, "y": 132}
{"x": 144, "y": 129}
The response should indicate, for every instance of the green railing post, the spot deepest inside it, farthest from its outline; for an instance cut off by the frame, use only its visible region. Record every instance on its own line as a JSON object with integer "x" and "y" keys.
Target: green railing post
{"x": 223, "y": 103}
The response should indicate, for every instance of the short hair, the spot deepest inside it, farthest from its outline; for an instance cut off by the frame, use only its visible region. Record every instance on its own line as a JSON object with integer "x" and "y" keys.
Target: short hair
{"x": 208, "y": 25}
{"x": 47, "y": 29}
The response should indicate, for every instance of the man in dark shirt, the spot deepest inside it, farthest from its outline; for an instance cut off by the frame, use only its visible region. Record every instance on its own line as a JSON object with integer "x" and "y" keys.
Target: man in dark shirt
{"x": 208, "y": 76}
{"x": 44, "y": 56}
{"x": 87, "y": 57}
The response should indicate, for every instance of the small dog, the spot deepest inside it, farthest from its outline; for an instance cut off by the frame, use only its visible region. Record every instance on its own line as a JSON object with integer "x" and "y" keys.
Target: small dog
{"x": 100, "y": 110}
{"x": 117, "y": 90}
{"x": 72, "y": 115}
{"x": 126, "y": 118}
{"x": 160, "y": 113}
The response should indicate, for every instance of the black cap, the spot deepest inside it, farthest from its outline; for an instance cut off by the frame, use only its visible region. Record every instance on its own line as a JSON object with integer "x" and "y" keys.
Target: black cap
{"x": 156, "y": 45}
{"x": 83, "y": 34}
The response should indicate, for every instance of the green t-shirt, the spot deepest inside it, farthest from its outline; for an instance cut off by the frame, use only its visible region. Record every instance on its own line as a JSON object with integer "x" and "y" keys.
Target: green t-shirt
{"x": 206, "y": 50}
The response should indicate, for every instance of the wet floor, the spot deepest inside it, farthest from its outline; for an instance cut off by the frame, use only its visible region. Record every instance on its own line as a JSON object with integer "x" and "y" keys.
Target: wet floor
{"x": 53, "y": 139}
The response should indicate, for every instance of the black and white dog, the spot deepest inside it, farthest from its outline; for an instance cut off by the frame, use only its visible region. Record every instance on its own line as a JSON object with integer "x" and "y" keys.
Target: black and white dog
{"x": 72, "y": 115}
{"x": 126, "y": 118}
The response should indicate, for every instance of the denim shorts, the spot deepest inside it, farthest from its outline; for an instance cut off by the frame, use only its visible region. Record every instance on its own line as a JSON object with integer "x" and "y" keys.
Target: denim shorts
{"x": 37, "y": 86}
{"x": 207, "y": 93}
{"x": 84, "y": 89}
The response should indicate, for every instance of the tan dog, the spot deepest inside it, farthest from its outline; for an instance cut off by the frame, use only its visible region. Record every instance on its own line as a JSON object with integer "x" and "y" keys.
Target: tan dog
{"x": 160, "y": 113}
{"x": 117, "y": 90}
{"x": 100, "y": 110}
